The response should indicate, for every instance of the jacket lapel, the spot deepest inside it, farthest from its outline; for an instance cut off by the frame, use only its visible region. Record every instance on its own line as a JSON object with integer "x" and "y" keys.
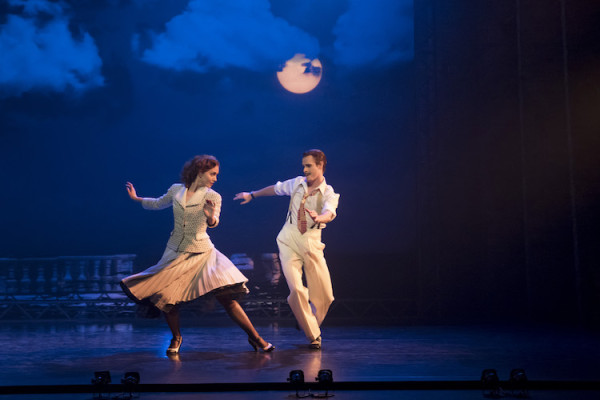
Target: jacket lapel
{"x": 197, "y": 198}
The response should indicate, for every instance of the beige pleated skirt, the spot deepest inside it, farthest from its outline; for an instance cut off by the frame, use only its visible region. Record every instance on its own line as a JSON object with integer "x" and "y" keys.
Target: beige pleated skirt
{"x": 183, "y": 277}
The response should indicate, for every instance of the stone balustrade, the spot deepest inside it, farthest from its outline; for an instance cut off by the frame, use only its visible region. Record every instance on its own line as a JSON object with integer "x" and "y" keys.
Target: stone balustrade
{"x": 63, "y": 276}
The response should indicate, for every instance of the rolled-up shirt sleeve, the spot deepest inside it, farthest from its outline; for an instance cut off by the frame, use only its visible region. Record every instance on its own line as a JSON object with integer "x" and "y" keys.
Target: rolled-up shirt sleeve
{"x": 286, "y": 188}
{"x": 330, "y": 201}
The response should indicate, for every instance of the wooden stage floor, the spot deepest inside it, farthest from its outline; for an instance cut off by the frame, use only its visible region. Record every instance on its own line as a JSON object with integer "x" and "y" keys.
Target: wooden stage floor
{"x": 66, "y": 353}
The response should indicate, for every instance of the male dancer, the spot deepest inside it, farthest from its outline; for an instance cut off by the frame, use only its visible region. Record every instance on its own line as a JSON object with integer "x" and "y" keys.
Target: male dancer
{"x": 313, "y": 203}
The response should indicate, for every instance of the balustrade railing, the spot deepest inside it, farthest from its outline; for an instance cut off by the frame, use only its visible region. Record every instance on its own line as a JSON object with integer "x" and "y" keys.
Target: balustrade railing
{"x": 63, "y": 276}
{"x": 87, "y": 287}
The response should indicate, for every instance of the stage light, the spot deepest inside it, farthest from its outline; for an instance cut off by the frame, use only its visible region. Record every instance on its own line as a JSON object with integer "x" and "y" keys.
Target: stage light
{"x": 296, "y": 377}
{"x": 101, "y": 378}
{"x": 101, "y": 381}
{"x": 131, "y": 378}
{"x": 490, "y": 383}
{"x": 297, "y": 380}
{"x": 518, "y": 382}
{"x": 130, "y": 382}
{"x": 325, "y": 379}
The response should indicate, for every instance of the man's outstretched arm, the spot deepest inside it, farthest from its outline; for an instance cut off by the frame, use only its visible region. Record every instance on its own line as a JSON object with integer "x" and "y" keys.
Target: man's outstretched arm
{"x": 246, "y": 197}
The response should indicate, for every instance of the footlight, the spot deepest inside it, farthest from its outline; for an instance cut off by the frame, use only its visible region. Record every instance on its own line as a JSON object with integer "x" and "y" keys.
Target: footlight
{"x": 131, "y": 378}
{"x": 101, "y": 380}
{"x": 325, "y": 379}
{"x": 130, "y": 382}
{"x": 297, "y": 380}
{"x": 518, "y": 383}
{"x": 490, "y": 383}
{"x": 296, "y": 377}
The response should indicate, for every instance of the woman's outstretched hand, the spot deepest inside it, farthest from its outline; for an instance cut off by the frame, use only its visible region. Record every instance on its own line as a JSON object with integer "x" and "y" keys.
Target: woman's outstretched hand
{"x": 131, "y": 192}
{"x": 244, "y": 196}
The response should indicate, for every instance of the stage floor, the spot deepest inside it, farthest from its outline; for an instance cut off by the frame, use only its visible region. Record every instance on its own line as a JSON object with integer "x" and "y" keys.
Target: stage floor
{"x": 62, "y": 353}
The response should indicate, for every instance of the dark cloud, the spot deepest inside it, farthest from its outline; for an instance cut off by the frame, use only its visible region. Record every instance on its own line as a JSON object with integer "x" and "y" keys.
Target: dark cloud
{"x": 40, "y": 52}
{"x": 227, "y": 33}
{"x": 375, "y": 32}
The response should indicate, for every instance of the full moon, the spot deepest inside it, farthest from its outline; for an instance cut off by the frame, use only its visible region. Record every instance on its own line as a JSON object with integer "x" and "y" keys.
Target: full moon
{"x": 300, "y": 74}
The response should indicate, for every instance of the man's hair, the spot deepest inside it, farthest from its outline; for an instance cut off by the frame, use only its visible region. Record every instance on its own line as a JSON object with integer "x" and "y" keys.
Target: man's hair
{"x": 196, "y": 166}
{"x": 318, "y": 155}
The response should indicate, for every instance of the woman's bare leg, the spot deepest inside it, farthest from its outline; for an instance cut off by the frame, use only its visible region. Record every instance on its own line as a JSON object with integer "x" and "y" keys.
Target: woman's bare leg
{"x": 172, "y": 318}
{"x": 238, "y": 315}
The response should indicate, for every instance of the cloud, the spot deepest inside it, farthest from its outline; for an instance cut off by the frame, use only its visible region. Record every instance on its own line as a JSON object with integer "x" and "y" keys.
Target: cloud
{"x": 33, "y": 7}
{"x": 375, "y": 32}
{"x": 40, "y": 53}
{"x": 216, "y": 34}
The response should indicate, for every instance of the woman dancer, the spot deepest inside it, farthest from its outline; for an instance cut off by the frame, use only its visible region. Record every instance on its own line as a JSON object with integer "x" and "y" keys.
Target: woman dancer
{"x": 191, "y": 266}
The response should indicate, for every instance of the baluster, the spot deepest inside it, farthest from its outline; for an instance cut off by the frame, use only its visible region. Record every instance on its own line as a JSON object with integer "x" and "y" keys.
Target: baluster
{"x": 106, "y": 278}
{"x": 11, "y": 279}
{"x": 129, "y": 266}
{"x": 68, "y": 278}
{"x": 2, "y": 280}
{"x": 96, "y": 277}
{"x": 81, "y": 279}
{"x": 53, "y": 283}
{"x": 117, "y": 274}
{"x": 40, "y": 281}
{"x": 123, "y": 270}
{"x": 25, "y": 284}
{"x": 4, "y": 276}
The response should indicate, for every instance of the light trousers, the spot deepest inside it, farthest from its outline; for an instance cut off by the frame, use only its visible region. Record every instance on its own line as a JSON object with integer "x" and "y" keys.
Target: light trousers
{"x": 298, "y": 251}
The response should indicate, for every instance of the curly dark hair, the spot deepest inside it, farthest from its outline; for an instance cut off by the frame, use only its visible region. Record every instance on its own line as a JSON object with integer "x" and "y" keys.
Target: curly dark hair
{"x": 318, "y": 155}
{"x": 196, "y": 166}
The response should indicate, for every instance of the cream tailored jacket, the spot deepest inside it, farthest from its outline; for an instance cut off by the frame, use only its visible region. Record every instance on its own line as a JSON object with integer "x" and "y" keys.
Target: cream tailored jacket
{"x": 189, "y": 230}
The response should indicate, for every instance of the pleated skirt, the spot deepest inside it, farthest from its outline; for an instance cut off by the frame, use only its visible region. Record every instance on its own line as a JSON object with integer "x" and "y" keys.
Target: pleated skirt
{"x": 182, "y": 277}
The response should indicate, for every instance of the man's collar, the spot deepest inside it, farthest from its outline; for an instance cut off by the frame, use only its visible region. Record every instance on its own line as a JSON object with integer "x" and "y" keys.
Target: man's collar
{"x": 322, "y": 186}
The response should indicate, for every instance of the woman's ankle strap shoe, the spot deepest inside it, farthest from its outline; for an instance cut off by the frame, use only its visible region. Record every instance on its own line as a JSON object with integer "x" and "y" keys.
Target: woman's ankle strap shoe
{"x": 175, "y": 345}
{"x": 255, "y": 345}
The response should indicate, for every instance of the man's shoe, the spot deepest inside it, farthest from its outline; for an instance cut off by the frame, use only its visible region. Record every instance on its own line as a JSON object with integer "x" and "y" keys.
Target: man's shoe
{"x": 316, "y": 344}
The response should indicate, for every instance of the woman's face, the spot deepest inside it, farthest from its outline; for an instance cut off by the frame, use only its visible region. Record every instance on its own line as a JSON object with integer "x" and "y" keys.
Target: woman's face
{"x": 209, "y": 177}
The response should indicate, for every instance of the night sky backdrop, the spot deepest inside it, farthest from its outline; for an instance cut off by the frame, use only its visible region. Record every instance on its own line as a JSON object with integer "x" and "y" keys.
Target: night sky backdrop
{"x": 97, "y": 93}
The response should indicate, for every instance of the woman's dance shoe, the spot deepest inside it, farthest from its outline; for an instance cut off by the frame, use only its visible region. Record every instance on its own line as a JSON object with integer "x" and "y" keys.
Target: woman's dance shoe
{"x": 175, "y": 345}
{"x": 256, "y": 345}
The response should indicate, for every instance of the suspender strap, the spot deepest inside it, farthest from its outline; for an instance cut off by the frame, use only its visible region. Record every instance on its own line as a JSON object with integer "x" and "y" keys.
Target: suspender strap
{"x": 291, "y": 200}
{"x": 319, "y": 205}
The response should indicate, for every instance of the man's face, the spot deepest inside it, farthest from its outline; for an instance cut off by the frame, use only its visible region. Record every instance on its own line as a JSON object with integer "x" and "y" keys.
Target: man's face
{"x": 312, "y": 171}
